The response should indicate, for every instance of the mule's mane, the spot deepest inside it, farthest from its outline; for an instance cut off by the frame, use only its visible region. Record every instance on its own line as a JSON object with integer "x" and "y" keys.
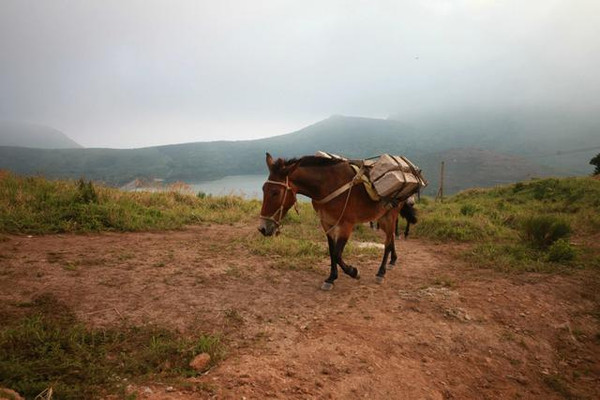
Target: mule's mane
{"x": 307, "y": 161}
{"x": 313, "y": 161}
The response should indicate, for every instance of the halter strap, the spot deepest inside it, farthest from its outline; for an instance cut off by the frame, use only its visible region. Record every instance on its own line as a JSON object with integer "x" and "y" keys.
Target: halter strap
{"x": 279, "y": 211}
{"x": 284, "y": 184}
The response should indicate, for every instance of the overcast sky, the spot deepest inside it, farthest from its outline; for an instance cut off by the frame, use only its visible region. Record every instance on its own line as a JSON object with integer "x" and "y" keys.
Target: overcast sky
{"x": 139, "y": 73}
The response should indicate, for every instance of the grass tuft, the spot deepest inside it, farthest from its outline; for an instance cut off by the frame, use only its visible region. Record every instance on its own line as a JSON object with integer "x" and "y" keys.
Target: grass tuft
{"x": 561, "y": 251}
{"x": 543, "y": 230}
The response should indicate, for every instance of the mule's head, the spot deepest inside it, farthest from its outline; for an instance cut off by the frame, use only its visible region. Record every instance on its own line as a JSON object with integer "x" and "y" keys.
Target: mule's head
{"x": 279, "y": 195}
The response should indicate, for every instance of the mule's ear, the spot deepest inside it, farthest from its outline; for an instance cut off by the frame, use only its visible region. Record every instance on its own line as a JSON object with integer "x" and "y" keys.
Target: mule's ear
{"x": 269, "y": 162}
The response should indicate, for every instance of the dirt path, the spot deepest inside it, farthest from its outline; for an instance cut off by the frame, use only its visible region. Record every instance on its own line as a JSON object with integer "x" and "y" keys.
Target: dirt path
{"x": 436, "y": 329}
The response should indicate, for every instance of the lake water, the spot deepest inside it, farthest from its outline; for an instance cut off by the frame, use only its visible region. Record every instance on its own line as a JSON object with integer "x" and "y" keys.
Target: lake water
{"x": 248, "y": 186}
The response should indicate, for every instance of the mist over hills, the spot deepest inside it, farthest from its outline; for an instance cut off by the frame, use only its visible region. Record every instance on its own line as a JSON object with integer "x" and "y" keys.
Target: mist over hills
{"x": 481, "y": 151}
{"x": 541, "y": 135}
{"x": 23, "y": 134}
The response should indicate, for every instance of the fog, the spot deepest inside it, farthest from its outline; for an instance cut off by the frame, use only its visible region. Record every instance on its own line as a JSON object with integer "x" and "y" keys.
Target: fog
{"x": 141, "y": 73}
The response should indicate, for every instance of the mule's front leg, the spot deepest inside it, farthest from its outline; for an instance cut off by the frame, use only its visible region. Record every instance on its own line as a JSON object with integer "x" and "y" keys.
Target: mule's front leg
{"x": 328, "y": 284}
{"x": 340, "y": 244}
{"x": 336, "y": 248}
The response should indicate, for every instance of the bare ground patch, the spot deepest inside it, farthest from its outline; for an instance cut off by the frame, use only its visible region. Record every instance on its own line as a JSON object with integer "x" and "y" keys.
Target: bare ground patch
{"x": 435, "y": 329}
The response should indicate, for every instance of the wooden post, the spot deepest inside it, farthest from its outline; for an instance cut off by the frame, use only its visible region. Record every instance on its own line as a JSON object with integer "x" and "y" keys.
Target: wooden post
{"x": 440, "y": 194}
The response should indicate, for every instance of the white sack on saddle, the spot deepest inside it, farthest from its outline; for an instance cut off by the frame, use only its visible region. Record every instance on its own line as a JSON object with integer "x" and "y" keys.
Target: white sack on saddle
{"x": 396, "y": 177}
{"x": 324, "y": 154}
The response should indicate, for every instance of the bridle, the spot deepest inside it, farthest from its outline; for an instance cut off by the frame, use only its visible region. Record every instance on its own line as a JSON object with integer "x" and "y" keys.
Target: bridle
{"x": 275, "y": 217}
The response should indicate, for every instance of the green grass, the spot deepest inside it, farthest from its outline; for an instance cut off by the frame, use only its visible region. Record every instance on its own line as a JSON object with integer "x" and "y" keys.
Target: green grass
{"x": 302, "y": 244}
{"x": 446, "y": 226}
{"x": 558, "y": 384}
{"x": 288, "y": 252}
{"x": 528, "y": 226}
{"x": 35, "y": 205}
{"x": 48, "y": 347}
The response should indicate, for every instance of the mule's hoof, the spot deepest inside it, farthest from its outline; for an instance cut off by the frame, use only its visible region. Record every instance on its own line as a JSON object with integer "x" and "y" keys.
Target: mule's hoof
{"x": 357, "y": 276}
{"x": 390, "y": 266}
{"x": 326, "y": 286}
{"x": 379, "y": 279}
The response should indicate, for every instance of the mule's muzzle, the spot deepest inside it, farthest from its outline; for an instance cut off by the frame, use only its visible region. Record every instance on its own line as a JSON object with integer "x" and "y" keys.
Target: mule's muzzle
{"x": 266, "y": 232}
{"x": 268, "y": 228}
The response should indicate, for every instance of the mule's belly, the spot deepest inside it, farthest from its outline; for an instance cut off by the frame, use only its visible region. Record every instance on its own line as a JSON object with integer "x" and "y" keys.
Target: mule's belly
{"x": 359, "y": 208}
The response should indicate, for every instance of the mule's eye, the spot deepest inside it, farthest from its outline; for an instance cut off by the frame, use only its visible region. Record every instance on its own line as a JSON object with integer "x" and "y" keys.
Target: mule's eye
{"x": 274, "y": 193}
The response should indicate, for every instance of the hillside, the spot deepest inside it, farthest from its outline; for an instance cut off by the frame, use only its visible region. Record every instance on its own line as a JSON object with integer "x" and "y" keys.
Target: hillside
{"x": 468, "y": 165}
{"x": 20, "y": 134}
{"x": 476, "y": 167}
{"x": 544, "y": 136}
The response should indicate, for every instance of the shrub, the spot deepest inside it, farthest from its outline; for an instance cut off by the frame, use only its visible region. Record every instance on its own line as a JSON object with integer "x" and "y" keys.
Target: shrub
{"x": 85, "y": 192}
{"x": 468, "y": 209}
{"x": 561, "y": 250}
{"x": 519, "y": 186}
{"x": 543, "y": 230}
{"x": 545, "y": 189}
{"x": 596, "y": 163}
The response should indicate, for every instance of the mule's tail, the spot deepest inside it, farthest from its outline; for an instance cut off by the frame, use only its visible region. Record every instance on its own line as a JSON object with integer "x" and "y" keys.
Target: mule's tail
{"x": 409, "y": 213}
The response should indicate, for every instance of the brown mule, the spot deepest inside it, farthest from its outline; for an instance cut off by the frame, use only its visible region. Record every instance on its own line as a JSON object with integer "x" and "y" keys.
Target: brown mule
{"x": 338, "y": 198}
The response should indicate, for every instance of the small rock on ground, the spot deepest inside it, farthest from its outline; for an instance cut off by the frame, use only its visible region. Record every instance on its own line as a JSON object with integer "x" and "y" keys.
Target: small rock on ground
{"x": 9, "y": 394}
{"x": 200, "y": 362}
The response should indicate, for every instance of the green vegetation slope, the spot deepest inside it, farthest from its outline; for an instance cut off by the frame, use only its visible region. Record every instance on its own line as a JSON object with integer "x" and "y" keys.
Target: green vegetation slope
{"x": 538, "y": 225}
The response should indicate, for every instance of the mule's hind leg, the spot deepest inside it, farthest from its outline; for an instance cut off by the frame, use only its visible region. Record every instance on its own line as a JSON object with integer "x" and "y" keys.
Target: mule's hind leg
{"x": 392, "y": 242}
{"x": 393, "y": 255}
{"x": 387, "y": 224}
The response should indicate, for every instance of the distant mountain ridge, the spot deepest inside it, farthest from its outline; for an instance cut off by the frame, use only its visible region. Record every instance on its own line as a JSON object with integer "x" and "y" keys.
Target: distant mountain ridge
{"x": 468, "y": 163}
{"x": 22, "y": 134}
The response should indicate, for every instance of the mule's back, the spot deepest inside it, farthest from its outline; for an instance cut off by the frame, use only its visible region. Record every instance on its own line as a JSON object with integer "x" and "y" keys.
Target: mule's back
{"x": 393, "y": 178}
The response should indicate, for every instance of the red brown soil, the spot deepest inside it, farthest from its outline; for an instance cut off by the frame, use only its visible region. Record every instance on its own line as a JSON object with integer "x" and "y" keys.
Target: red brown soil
{"x": 436, "y": 329}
